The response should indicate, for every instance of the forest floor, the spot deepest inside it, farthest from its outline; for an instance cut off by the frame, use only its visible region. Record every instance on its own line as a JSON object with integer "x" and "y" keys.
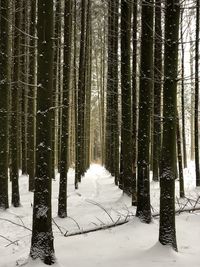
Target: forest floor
{"x": 99, "y": 203}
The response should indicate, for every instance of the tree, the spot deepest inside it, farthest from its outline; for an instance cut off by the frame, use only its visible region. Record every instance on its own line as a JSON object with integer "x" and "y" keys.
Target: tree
{"x": 112, "y": 110}
{"x": 5, "y": 66}
{"x": 62, "y": 199}
{"x": 134, "y": 101}
{"x": 42, "y": 235}
{"x": 196, "y": 115}
{"x": 157, "y": 90}
{"x": 183, "y": 92}
{"x": 15, "y": 100}
{"x": 145, "y": 92}
{"x": 24, "y": 79}
{"x": 126, "y": 176}
{"x": 167, "y": 230}
{"x": 88, "y": 77}
{"x": 31, "y": 122}
{"x": 180, "y": 160}
{"x": 81, "y": 98}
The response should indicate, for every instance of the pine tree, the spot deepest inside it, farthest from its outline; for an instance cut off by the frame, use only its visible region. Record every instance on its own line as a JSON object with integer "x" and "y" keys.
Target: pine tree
{"x": 183, "y": 92}
{"x": 5, "y": 66}
{"x": 134, "y": 100}
{"x": 126, "y": 176}
{"x": 196, "y": 116}
{"x": 31, "y": 122}
{"x": 81, "y": 98}
{"x": 15, "y": 140}
{"x": 62, "y": 200}
{"x": 42, "y": 235}
{"x": 145, "y": 93}
{"x": 167, "y": 231}
{"x": 157, "y": 90}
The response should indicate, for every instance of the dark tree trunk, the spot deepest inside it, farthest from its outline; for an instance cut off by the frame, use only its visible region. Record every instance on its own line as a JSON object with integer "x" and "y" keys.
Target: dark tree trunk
{"x": 167, "y": 231}
{"x": 56, "y": 82}
{"x": 62, "y": 199}
{"x": 134, "y": 101}
{"x": 126, "y": 175}
{"x": 183, "y": 94}
{"x": 5, "y": 75}
{"x": 196, "y": 116}
{"x": 31, "y": 121}
{"x": 145, "y": 93}
{"x": 88, "y": 78}
{"x": 24, "y": 80}
{"x": 42, "y": 236}
{"x": 115, "y": 95}
{"x": 180, "y": 160}
{"x": 15, "y": 95}
{"x": 81, "y": 97}
{"x": 157, "y": 90}
{"x": 75, "y": 97}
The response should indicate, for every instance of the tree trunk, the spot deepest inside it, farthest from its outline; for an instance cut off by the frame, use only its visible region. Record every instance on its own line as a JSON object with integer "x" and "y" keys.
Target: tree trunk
{"x": 157, "y": 91}
{"x": 62, "y": 199}
{"x": 183, "y": 94}
{"x": 15, "y": 92}
{"x": 134, "y": 100}
{"x": 5, "y": 76}
{"x": 81, "y": 97}
{"x": 196, "y": 116}
{"x": 145, "y": 93}
{"x": 126, "y": 175}
{"x": 31, "y": 121}
{"x": 167, "y": 231}
{"x": 42, "y": 236}
{"x": 180, "y": 160}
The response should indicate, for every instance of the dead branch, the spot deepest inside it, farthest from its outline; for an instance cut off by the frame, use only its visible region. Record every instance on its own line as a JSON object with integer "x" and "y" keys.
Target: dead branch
{"x": 2, "y": 219}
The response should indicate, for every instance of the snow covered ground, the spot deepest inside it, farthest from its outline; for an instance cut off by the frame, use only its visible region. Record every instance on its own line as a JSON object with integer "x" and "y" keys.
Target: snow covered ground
{"x": 99, "y": 202}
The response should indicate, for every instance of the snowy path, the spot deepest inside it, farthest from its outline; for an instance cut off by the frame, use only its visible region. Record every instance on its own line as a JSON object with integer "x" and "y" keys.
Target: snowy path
{"x": 133, "y": 244}
{"x": 96, "y": 192}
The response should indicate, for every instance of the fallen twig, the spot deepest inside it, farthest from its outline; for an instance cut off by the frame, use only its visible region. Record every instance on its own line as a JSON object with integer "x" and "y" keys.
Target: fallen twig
{"x": 11, "y": 242}
{"x": 58, "y": 226}
{"x": 101, "y": 227}
{"x": 100, "y": 206}
{"x": 74, "y": 221}
{"x": 2, "y": 219}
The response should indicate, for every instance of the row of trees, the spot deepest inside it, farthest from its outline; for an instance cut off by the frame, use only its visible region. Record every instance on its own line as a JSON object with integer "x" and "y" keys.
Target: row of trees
{"x": 78, "y": 84}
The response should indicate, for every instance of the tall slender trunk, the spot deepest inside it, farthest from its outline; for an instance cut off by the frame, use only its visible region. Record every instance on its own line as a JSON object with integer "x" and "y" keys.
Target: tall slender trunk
{"x": 134, "y": 100}
{"x": 180, "y": 160}
{"x": 81, "y": 97}
{"x": 31, "y": 121}
{"x": 15, "y": 92}
{"x": 5, "y": 76}
{"x": 25, "y": 46}
{"x": 126, "y": 175}
{"x": 145, "y": 93}
{"x": 62, "y": 199}
{"x": 88, "y": 84}
{"x": 196, "y": 116}
{"x": 167, "y": 230}
{"x": 42, "y": 236}
{"x": 157, "y": 90}
{"x": 183, "y": 94}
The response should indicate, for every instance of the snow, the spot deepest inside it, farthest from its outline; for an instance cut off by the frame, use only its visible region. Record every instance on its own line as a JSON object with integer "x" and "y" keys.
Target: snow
{"x": 99, "y": 202}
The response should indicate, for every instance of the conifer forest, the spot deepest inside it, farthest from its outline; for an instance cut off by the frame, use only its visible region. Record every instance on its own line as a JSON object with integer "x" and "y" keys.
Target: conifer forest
{"x": 99, "y": 133}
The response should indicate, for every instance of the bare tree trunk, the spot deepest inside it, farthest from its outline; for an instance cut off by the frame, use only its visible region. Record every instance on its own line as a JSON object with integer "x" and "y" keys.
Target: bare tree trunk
{"x": 196, "y": 117}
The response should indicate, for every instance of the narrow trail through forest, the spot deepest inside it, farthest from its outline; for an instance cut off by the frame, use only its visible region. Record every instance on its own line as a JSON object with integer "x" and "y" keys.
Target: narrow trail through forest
{"x": 97, "y": 202}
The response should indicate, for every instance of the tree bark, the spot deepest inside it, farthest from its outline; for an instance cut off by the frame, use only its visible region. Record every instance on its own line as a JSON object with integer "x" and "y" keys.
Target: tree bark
{"x": 42, "y": 236}
{"x": 145, "y": 93}
{"x": 62, "y": 199}
{"x": 167, "y": 230}
{"x": 5, "y": 79}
